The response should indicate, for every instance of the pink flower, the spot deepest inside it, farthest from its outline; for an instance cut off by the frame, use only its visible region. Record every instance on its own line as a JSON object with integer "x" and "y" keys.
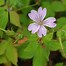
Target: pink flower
{"x": 39, "y": 22}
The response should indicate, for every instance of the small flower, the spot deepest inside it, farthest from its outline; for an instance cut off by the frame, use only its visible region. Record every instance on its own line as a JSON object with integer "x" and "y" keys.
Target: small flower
{"x": 39, "y": 22}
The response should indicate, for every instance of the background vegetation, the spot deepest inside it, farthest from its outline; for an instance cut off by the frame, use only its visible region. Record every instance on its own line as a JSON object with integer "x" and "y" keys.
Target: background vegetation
{"x": 17, "y": 44}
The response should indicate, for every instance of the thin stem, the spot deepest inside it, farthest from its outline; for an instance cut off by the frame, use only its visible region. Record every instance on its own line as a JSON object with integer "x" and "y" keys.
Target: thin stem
{"x": 3, "y": 30}
{"x": 28, "y": 6}
{"x": 61, "y": 45}
{"x": 9, "y": 25}
{"x": 41, "y": 42}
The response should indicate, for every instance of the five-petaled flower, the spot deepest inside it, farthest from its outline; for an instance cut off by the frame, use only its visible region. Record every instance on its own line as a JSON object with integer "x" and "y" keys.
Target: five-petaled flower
{"x": 39, "y": 22}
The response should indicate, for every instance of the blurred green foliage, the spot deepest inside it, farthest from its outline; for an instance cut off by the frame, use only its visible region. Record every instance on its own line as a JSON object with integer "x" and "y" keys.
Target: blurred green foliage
{"x": 15, "y": 14}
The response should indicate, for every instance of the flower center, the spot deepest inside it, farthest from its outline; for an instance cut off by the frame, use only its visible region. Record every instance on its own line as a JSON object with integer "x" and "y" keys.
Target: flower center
{"x": 40, "y": 23}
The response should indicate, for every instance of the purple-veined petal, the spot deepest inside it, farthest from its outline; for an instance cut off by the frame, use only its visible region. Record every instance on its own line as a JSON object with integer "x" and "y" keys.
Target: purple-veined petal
{"x": 42, "y": 13}
{"x": 50, "y": 22}
{"x": 42, "y": 31}
{"x": 51, "y": 25}
{"x": 33, "y": 27}
{"x": 33, "y": 15}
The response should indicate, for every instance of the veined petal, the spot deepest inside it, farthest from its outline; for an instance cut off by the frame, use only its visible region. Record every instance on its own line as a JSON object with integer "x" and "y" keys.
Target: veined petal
{"x": 33, "y": 27}
{"x": 42, "y": 13}
{"x": 51, "y": 25}
{"x": 33, "y": 15}
{"x": 42, "y": 31}
{"x": 50, "y": 22}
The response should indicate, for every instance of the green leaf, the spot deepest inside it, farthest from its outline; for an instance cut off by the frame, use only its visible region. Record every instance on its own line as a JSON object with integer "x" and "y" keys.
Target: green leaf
{"x": 3, "y": 47}
{"x": 33, "y": 38}
{"x": 53, "y": 45}
{"x": 13, "y": 3}
{"x": 10, "y": 32}
{"x": 59, "y": 64}
{"x": 48, "y": 37}
{"x": 3, "y": 59}
{"x": 11, "y": 53}
{"x": 64, "y": 2}
{"x": 21, "y": 48}
{"x": 26, "y": 10}
{"x": 25, "y": 2}
{"x": 25, "y": 31}
{"x": 49, "y": 9}
{"x": 62, "y": 33}
{"x": 24, "y": 20}
{"x": 15, "y": 20}
{"x": 1, "y": 2}
{"x": 60, "y": 6}
{"x": 3, "y": 19}
{"x": 40, "y": 57}
{"x": 60, "y": 23}
{"x": 29, "y": 51}
{"x": 64, "y": 49}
